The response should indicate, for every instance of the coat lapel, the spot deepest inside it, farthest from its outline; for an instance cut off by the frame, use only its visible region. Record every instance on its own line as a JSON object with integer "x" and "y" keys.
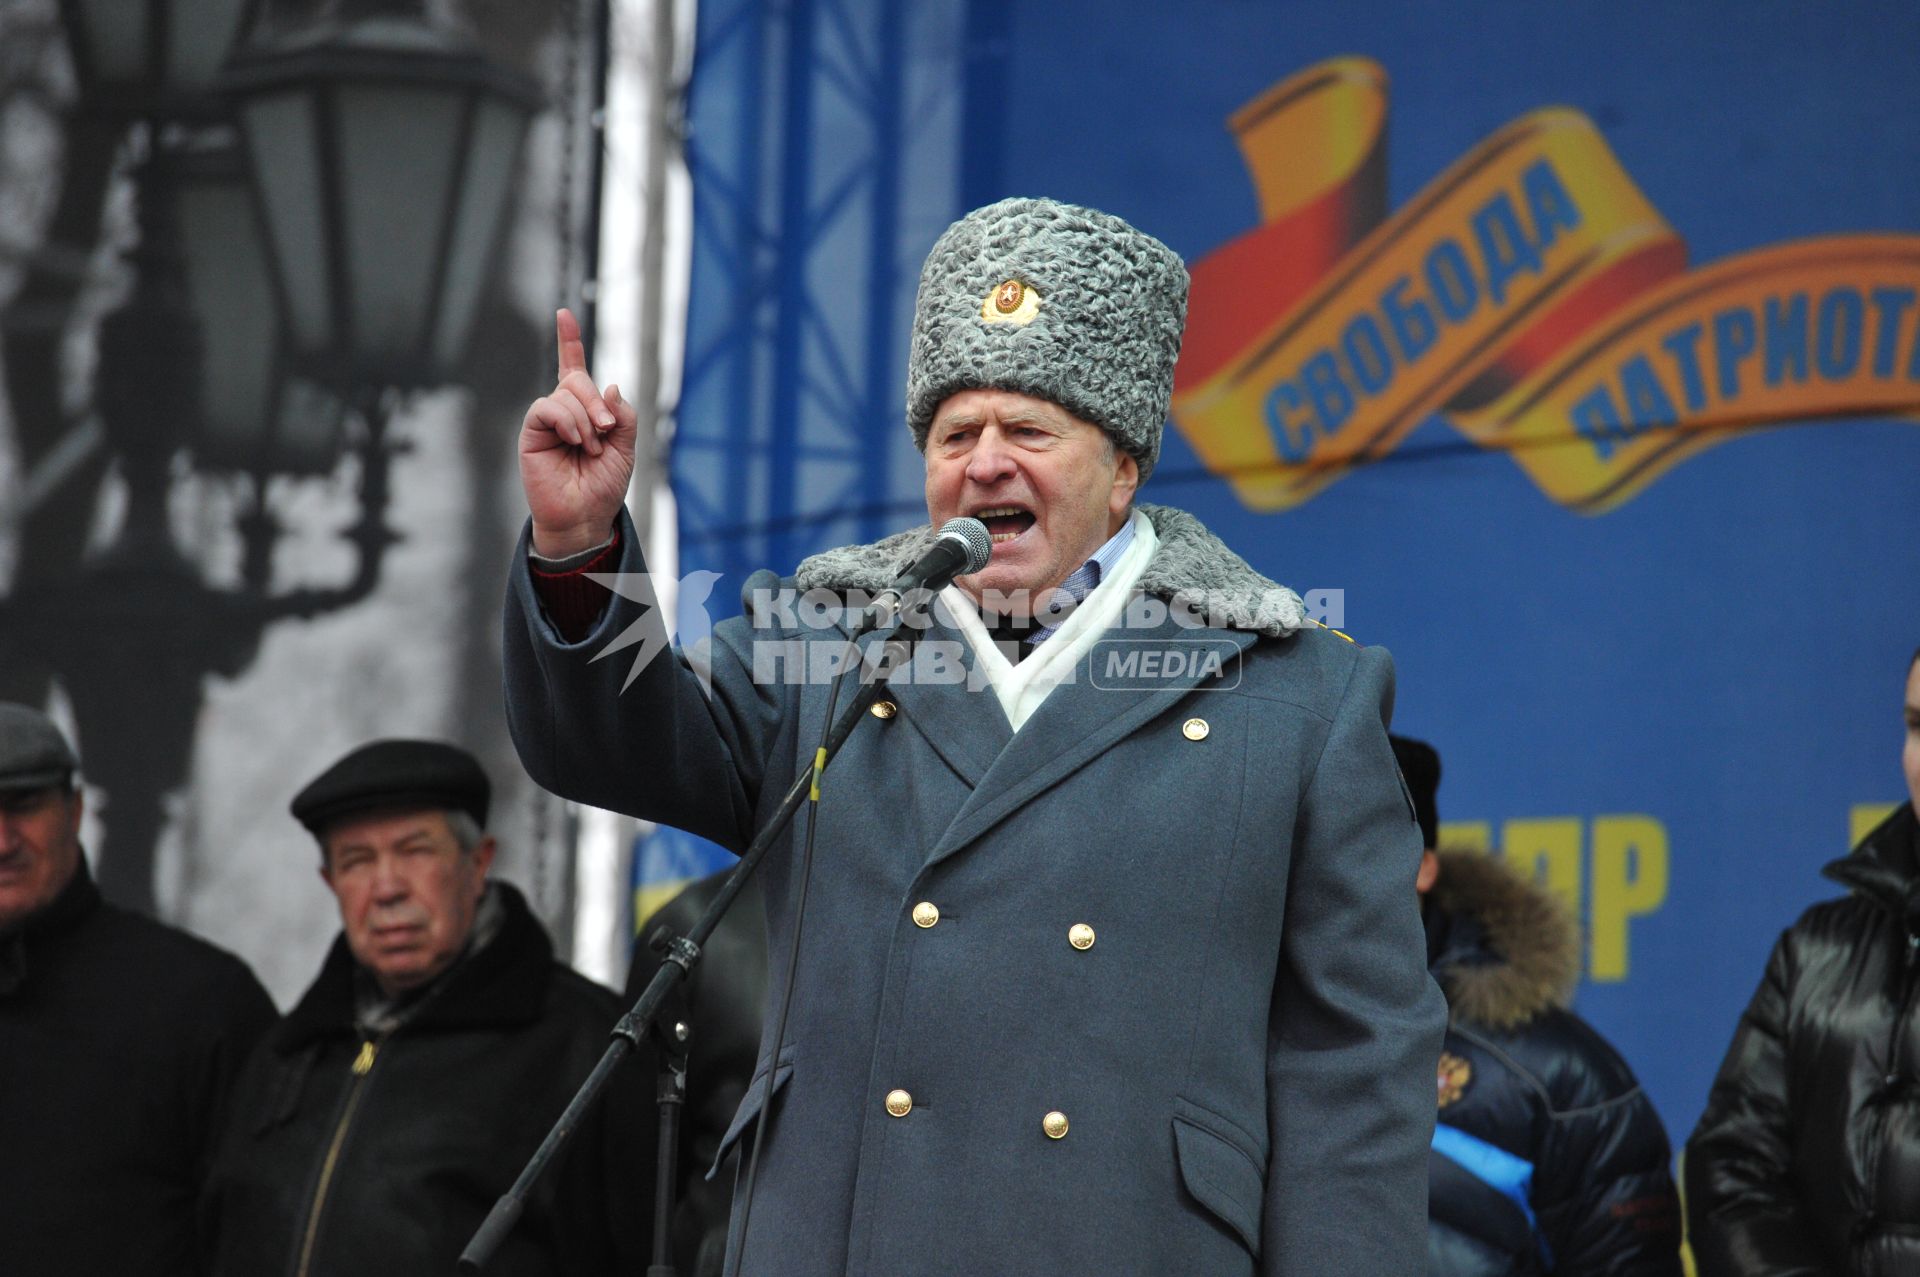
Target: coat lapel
{"x": 965, "y": 727}
{"x": 1075, "y": 725}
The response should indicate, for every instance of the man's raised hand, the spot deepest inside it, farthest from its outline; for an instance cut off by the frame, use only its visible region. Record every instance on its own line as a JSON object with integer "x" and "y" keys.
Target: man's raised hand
{"x": 576, "y": 453}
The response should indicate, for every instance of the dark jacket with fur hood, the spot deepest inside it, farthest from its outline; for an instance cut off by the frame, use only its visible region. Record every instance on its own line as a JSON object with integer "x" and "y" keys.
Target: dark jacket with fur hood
{"x": 1548, "y": 1156}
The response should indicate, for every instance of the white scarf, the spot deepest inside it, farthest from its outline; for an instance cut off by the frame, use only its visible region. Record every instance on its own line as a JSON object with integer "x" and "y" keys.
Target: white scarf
{"x": 1024, "y": 687}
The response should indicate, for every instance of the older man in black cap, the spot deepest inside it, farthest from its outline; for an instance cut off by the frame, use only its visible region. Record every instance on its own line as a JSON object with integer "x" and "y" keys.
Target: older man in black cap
{"x": 379, "y": 1122}
{"x": 119, "y": 1042}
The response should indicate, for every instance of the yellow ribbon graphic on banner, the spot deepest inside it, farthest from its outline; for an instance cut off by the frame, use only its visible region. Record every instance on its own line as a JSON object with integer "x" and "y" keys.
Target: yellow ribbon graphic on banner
{"x": 1531, "y": 294}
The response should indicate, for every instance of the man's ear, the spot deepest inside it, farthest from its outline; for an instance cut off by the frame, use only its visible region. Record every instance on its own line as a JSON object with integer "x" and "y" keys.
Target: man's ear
{"x": 483, "y": 854}
{"x": 1126, "y": 482}
{"x": 1429, "y": 872}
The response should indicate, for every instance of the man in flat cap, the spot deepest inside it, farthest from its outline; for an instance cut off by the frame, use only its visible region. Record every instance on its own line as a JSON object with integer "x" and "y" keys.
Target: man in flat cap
{"x": 1112, "y": 963}
{"x": 120, "y": 1039}
{"x": 377, "y": 1124}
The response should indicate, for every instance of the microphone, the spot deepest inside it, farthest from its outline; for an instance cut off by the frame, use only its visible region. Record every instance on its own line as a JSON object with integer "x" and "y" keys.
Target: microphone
{"x": 962, "y": 545}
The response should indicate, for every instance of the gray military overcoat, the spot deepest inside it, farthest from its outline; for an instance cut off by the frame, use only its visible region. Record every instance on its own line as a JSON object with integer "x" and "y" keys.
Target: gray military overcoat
{"x": 1243, "y": 1055}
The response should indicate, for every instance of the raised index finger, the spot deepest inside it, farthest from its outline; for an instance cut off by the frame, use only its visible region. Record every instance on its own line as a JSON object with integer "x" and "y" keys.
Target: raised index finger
{"x": 573, "y": 352}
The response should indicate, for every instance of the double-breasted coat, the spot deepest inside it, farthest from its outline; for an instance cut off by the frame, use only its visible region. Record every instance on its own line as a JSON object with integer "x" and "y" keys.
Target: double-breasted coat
{"x": 1140, "y": 988}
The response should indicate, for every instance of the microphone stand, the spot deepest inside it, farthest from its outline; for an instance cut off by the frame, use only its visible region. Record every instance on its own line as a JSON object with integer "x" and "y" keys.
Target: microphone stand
{"x": 681, "y": 953}
{"x": 671, "y": 1095}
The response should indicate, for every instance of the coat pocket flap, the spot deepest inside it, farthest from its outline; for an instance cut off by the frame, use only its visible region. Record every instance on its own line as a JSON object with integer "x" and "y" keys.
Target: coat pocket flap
{"x": 750, "y": 1105}
{"x": 1221, "y": 1174}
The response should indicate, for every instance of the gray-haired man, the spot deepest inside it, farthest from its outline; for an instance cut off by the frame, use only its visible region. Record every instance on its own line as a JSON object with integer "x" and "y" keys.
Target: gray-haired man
{"x": 377, "y": 1124}
{"x": 1111, "y": 965}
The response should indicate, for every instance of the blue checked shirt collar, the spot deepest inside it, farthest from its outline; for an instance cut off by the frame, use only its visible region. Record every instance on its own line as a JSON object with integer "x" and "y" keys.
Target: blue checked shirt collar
{"x": 1087, "y": 577}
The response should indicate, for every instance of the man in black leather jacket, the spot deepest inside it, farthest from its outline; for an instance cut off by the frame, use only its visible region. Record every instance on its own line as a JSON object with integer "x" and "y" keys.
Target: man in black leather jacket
{"x": 1807, "y": 1159}
{"x": 1548, "y": 1158}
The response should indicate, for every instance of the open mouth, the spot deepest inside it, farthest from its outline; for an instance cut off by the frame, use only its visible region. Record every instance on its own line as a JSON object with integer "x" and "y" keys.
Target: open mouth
{"x": 1005, "y": 522}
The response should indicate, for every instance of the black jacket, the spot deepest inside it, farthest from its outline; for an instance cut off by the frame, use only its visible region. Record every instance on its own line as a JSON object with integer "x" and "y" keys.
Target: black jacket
{"x": 348, "y": 1158}
{"x": 1548, "y": 1157}
{"x": 1807, "y": 1159}
{"x": 120, "y": 1040}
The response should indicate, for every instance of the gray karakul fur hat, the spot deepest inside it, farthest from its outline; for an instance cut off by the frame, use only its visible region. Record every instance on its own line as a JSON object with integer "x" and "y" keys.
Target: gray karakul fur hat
{"x": 1057, "y": 301}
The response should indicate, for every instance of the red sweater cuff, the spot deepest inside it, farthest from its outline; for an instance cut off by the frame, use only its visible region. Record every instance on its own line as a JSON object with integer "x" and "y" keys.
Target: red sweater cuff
{"x": 574, "y": 604}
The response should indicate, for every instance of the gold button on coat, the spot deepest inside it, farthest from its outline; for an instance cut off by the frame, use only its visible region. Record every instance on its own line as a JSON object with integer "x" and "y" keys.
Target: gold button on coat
{"x": 899, "y": 1103}
{"x": 1080, "y": 936}
{"x": 1054, "y": 1124}
{"x": 1195, "y": 729}
{"x": 883, "y": 709}
{"x": 925, "y": 914}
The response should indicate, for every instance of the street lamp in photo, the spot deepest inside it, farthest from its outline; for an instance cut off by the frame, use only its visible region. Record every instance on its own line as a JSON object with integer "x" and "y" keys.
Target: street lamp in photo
{"x": 255, "y": 417}
{"x": 398, "y": 144}
{"x": 153, "y": 59}
{"x": 384, "y": 151}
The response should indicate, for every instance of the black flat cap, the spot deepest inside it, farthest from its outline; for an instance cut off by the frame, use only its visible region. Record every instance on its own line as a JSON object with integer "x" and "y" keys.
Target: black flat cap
{"x": 1420, "y": 764}
{"x": 395, "y": 774}
{"x": 33, "y": 753}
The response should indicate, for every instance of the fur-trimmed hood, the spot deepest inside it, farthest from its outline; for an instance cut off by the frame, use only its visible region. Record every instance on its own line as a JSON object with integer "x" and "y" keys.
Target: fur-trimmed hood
{"x": 1192, "y": 569}
{"x": 1503, "y": 948}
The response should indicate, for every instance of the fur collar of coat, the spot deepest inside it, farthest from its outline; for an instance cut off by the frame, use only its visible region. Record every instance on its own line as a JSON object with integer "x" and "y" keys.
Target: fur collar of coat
{"x": 1511, "y": 950}
{"x": 1193, "y": 569}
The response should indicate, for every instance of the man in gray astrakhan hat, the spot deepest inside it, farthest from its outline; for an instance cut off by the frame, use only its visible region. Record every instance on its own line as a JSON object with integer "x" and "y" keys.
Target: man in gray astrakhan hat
{"x": 120, "y": 1039}
{"x": 1106, "y": 969}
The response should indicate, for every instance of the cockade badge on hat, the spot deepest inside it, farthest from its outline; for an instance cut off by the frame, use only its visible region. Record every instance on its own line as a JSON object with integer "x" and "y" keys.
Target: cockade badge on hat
{"x": 1013, "y": 302}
